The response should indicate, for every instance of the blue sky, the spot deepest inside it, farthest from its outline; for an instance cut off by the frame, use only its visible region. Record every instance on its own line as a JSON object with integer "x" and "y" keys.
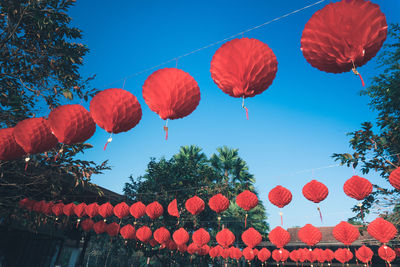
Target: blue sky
{"x": 295, "y": 125}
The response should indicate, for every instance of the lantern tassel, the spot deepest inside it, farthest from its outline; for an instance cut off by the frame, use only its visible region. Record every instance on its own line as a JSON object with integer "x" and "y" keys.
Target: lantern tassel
{"x": 247, "y": 110}
{"x": 320, "y": 213}
{"x": 108, "y": 141}
{"x": 361, "y": 211}
{"x": 357, "y": 73}
{"x": 245, "y": 221}
{"x": 280, "y": 214}
{"x": 166, "y": 129}
{"x": 27, "y": 159}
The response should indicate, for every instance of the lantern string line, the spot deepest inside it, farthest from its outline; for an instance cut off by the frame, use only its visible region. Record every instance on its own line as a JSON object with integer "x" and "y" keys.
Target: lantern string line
{"x": 216, "y": 43}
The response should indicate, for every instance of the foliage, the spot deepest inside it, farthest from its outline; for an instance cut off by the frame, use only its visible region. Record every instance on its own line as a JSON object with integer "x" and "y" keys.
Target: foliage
{"x": 377, "y": 148}
{"x": 39, "y": 70}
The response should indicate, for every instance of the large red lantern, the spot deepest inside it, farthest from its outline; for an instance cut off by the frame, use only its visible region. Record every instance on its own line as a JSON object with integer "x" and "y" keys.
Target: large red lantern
{"x": 263, "y": 255}
{"x": 280, "y": 255}
{"x": 357, "y": 187}
{"x": 154, "y": 210}
{"x": 121, "y": 210}
{"x": 87, "y": 225}
{"x": 9, "y": 148}
{"x": 92, "y": 210}
{"x": 68, "y": 209}
{"x": 34, "y": 136}
{"x": 171, "y": 93}
{"x": 128, "y": 232}
{"x": 71, "y": 124}
{"x": 218, "y": 203}
{"x": 144, "y": 234}
{"x": 248, "y": 254}
{"x": 343, "y": 255}
{"x": 309, "y": 235}
{"x": 243, "y": 67}
{"x": 99, "y": 227}
{"x": 162, "y": 235}
{"x": 280, "y": 196}
{"x": 112, "y": 229}
{"x": 394, "y": 178}
{"x": 138, "y": 210}
{"x": 225, "y": 238}
{"x": 279, "y": 237}
{"x": 315, "y": 191}
{"x": 106, "y": 210}
{"x": 173, "y": 208}
{"x": 194, "y": 205}
{"x": 180, "y": 236}
{"x": 382, "y": 230}
{"x": 201, "y": 237}
{"x": 247, "y": 200}
{"x": 346, "y": 233}
{"x": 386, "y": 253}
{"x": 251, "y": 237}
{"x": 344, "y": 35}
{"x": 57, "y": 209}
{"x": 364, "y": 254}
{"x": 79, "y": 210}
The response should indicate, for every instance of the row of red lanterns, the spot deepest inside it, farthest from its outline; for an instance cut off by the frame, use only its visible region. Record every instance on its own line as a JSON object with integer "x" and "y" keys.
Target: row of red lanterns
{"x": 338, "y": 38}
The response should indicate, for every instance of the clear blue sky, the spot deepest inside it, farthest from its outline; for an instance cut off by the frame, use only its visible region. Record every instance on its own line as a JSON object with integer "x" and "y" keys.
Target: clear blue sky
{"x": 295, "y": 125}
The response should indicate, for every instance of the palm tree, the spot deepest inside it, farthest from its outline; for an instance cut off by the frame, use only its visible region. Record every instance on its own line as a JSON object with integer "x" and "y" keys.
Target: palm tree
{"x": 191, "y": 154}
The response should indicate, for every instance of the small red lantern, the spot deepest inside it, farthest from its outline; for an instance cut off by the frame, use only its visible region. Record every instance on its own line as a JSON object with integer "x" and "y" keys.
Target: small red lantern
{"x": 100, "y": 227}
{"x": 57, "y": 209}
{"x": 92, "y": 210}
{"x": 235, "y": 253}
{"x": 182, "y": 248}
{"x": 87, "y": 225}
{"x": 364, "y": 254}
{"x": 225, "y": 253}
{"x": 173, "y": 208}
{"x": 106, "y": 210}
{"x": 215, "y": 251}
{"x": 203, "y": 250}
{"x": 71, "y": 124}
{"x": 343, "y": 255}
{"x": 192, "y": 248}
{"x": 251, "y": 237}
{"x": 320, "y": 255}
{"x": 279, "y": 237}
{"x": 9, "y": 148}
{"x": 280, "y": 255}
{"x": 121, "y": 210}
{"x": 195, "y": 205}
{"x": 201, "y": 237}
{"x": 248, "y": 254}
{"x": 280, "y": 196}
{"x": 247, "y": 200}
{"x": 329, "y": 255}
{"x": 386, "y": 253}
{"x": 144, "y": 234}
{"x": 218, "y": 203}
{"x": 295, "y": 256}
{"x": 346, "y": 233}
{"x": 154, "y": 210}
{"x": 79, "y": 210}
{"x": 38, "y": 206}
{"x": 394, "y": 178}
{"x": 225, "y": 238}
{"x": 47, "y": 208}
{"x": 34, "y": 136}
{"x": 357, "y": 187}
{"x": 138, "y": 210}
{"x": 263, "y": 255}
{"x": 171, "y": 245}
{"x": 69, "y": 209}
{"x": 112, "y": 229}
{"x": 162, "y": 235}
{"x": 180, "y": 236}
{"x": 315, "y": 191}
{"x": 382, "y": 230}
{"x": 128, "y": 232}
{"x": 309, "y": 235}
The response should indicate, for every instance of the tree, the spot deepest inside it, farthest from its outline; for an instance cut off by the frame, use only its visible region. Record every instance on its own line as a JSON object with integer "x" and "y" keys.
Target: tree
{"x": 39, "y": 70}
{"x": 377, "y": 145}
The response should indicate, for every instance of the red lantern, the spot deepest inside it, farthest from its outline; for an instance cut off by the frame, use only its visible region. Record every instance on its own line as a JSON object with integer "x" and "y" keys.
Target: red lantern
{"x": 263, "y": 255}
{"x": 57, "y": 209}
{"x": 343, "y": 35}
{"x": 203, "y": 250}
{"x": 180, "y": 236}
{"x": 343, "y": 255}
{"x": 92, "y": 210}
{"x": 235, "y": 253}
{"x": 251, "y": 237}
{"x": 295, "y": 256}
{"x": 243, "y": 67}
{"x": 138, "y": 210}
{"x": 115, "y": 110}
{"x": 280, "y": 255}
{"x": 171, "y": 245}
{"x": 69, "y": 209}
{"x": 225, "y": 238}
{"x": 171, "y": 93}
{"x": 225, "y": 253}
{"x": 30, "y": 204}
{"x": 9, "y": 148}
{"x": 303, "y": 254}
{"x": 280, "y": 196}
{"x": 218, "y": 203}
{"x": 79, "y": 210}
{"x": 315, "y": 191}
{"x": 106, "y": 210}
{"x": 248, "y": 254}
{"x": 154, "y": 210}
{"x": 38, "y": 206}
{"x": 47, "y": 208}
{"x": 364, "y": 254}
{"x": 311, "y": 256}
{"x": 173, "y": 208}
{"x": 279, "y": 237}
{"x": 309, "y": 234}
{"x": 121, "y": 210}
{"x": 215, "y": 251}
{"x": 394, "y": 178}
{"x": 23, "y": 202}
{"x": 320, "y": 255}
{"x": 192, "y": 248}
{"x": 346, "y": 233}
{"x": 162, "y": 235}
{"x": 382, "y": 230}
{"x": 357, "y": 187}
{"x": 201, "y": 237}
{"x": 128, "y": 232}
{"x": 247, "y": 200}
{"x": 182, "y": 248}
{"x": 87, "y": 225}
{"x": 195, "y": 205}
{"x": 34, "y": 136}
{"x": 112, "y": 229}
{"x": 329, "y": 255}
{"x": 144, "y": 234}
{"x": 99, "y": 227}
{"x": 71, "y": 124}
{"x": 386, "y": 253}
